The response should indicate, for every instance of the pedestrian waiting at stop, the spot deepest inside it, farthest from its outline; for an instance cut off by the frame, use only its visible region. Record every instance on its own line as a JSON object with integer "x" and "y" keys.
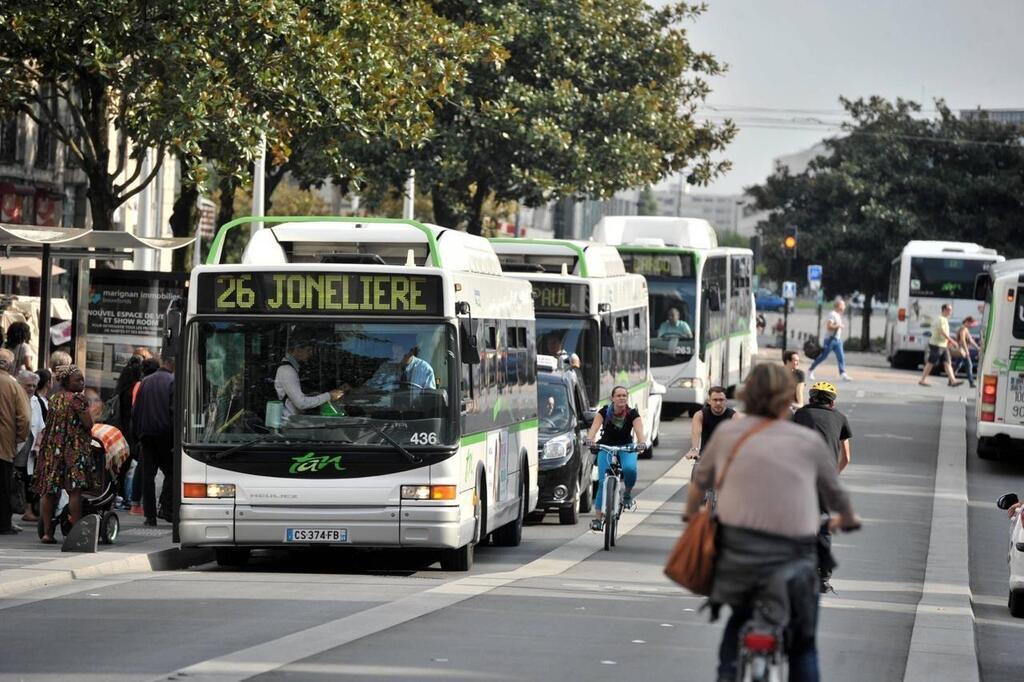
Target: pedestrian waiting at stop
{"x": 18, "y": 336}
{"x": 153, "y": 424}
{"x": 59, "y": 358}
{"x": 64, "y": 461}
{"x": 769, "y": 473}
{"x": 14, "y": 429}
{"x": 938, "y": 348}
{"x": 791, "y": 360}
{"x": 25, "y": 459}
{"x": 833, "y": 342}
{"x": 968, "y": 348}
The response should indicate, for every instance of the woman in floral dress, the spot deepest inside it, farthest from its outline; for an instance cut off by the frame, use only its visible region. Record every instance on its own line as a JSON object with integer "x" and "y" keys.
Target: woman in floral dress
{"x": 64, "y": 461}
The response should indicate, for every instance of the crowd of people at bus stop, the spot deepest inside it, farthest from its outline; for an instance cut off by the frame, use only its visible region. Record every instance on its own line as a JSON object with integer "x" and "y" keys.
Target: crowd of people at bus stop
{"x": 50, "y": 421}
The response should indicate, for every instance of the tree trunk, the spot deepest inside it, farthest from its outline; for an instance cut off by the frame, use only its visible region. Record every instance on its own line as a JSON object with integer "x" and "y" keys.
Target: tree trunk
{"x": 444, "y": 215}
{"x": 271, "y": 180}
{"x": 865, "y": 324}
{"x": 226, "y": 210}
{"x": 184, "y": 216}
{"x": 476, "y": 209}
{"x": 100, "y": 194}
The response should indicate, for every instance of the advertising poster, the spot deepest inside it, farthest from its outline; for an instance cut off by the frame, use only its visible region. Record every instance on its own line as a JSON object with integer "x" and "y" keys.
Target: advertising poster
{"x": 126, "y": 312}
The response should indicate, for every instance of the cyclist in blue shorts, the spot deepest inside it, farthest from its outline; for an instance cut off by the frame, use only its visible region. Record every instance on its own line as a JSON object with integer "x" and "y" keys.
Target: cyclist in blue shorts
{"x": 618, "y": 423}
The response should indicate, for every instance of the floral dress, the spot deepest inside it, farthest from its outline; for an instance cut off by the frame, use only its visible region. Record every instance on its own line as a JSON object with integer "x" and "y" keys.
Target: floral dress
{"x": 64, "y": 461}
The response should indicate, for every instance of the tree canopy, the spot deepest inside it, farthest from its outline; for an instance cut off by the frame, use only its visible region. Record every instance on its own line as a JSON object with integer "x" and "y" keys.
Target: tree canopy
{"x": 593, "y": 97}
{"x": 894, "y": 176}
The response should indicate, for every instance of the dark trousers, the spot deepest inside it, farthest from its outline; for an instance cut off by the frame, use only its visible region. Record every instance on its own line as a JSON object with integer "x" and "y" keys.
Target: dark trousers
{"x": 156, "y": 454}
{"x": 6, "y": 482}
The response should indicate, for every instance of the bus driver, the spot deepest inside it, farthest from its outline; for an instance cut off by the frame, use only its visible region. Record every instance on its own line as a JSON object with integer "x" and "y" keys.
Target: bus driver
{"x": 286, "y": 380}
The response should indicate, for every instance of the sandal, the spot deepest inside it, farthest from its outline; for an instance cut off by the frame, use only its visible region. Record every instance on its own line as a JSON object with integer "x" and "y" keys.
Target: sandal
{"x": 48, "y": 541}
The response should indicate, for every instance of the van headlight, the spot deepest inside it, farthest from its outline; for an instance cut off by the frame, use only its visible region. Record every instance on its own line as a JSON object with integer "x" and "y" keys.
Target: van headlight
{"x": 558, "y": 447}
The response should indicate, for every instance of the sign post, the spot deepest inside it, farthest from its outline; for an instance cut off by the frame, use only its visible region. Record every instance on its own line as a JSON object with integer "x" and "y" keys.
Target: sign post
{"x": 788, "y": 293}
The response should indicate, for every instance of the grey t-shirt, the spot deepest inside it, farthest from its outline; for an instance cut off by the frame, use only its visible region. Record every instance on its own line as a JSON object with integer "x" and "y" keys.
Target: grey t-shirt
{"x": 775, "y": 479}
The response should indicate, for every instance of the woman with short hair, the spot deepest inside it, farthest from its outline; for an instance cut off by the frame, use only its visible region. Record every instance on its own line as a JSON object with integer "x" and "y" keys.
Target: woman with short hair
{"x": 18, "y": 336}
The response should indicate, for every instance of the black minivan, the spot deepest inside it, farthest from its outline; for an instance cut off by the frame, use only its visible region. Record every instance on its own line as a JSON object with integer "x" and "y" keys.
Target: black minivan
{"x": 565, "y": 460}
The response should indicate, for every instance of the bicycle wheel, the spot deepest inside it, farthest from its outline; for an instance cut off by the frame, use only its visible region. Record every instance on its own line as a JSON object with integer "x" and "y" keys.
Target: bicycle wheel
{"x": 611, "y": 498}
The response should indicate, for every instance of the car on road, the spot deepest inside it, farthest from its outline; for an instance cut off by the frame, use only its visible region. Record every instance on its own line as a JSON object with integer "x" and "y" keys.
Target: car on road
{"x": 766, "y": 299}
{"x": 856, "y": 302}
{"x": 1016, "y": 555}
{"x": 565, "y": 460}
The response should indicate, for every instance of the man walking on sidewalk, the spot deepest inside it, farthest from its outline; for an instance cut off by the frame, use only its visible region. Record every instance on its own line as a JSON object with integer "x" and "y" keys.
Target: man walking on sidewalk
{"x": 153, "y": 423}
{"x": 14, "y": 419}
{"x": 938, "y": 348}
{"x": 833, "y": 342}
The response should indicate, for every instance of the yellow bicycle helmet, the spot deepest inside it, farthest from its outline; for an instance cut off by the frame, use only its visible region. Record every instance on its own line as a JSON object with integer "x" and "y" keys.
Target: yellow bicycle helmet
{"x": 824, "y": 389}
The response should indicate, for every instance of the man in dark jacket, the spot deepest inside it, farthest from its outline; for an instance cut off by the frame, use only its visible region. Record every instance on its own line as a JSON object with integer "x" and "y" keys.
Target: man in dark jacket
{"x": 153, "y": 424}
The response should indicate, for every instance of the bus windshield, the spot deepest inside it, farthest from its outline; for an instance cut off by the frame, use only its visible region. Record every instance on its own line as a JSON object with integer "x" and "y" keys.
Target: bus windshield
{"x": 282, "y": 381}
{"x": 944, "y": 277}
{"x": 579, "y": 336}
{"x": 672, "y": 308}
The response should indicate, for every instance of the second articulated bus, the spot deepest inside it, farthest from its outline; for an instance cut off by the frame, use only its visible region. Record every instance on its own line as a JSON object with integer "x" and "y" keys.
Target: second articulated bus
{"x": 432, "y": 444}
{"x": 701, "y": 302}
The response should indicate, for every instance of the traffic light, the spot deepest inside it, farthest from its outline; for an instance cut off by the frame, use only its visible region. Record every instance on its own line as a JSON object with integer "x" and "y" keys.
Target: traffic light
{"x": 789, "y": 242}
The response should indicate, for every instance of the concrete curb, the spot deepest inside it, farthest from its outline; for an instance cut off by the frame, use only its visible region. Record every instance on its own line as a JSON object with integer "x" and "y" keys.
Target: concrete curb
{"x": 942, "y": 644}
{"x": 145, "y": 557}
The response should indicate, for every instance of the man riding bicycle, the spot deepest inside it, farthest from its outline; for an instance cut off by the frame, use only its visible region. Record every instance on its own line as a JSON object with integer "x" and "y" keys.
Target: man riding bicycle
{"x": 706, "y": 420}
{"x": 618, "y": 424}
{"x": 821, "y": 415}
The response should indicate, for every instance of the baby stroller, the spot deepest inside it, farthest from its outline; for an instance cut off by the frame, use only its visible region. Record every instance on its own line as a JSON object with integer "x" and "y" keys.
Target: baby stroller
{"x": 101, "y": 494}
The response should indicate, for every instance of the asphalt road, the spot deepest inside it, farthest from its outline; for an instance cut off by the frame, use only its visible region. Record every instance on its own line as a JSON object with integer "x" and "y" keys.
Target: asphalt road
{"x": 557, "y": 606}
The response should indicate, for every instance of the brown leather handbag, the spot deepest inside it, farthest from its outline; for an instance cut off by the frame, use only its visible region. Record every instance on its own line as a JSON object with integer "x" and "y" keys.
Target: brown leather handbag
{"x": 691, "y": 563}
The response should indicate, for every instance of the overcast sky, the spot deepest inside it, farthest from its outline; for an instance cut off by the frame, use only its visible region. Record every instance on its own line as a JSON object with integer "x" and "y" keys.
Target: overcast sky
{"x": 786, "y": 55}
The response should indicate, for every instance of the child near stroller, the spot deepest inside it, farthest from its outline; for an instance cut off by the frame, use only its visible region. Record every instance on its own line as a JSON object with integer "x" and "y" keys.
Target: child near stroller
{"x": 109, "y": 453}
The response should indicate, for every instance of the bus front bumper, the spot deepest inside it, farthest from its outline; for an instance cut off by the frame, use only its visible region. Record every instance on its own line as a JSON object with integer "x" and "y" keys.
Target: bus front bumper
{"x": 408, "y": 525}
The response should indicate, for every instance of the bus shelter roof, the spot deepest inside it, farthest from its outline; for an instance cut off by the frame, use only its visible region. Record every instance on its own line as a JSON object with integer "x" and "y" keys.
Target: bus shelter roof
{"x": 73, "y": 242}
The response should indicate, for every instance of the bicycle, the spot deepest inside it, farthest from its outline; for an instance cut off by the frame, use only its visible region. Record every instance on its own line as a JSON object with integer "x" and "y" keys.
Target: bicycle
{"x": 613, "y": 491}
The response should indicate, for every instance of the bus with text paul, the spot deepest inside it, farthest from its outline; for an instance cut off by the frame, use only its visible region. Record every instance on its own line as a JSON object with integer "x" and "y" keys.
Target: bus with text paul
{"x": 587, "y": 305}
{"x": 701, "y": 302}
{"x": 925, "y": 275}
{"x": 354, "y": 382}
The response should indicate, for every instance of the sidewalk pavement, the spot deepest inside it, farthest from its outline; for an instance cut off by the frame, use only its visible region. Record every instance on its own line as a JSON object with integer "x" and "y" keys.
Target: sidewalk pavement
{"x": 27, "y": 564}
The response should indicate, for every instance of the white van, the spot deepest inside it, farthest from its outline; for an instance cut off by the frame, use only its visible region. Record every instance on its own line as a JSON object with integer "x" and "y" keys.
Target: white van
{"x": 999, "y": 410}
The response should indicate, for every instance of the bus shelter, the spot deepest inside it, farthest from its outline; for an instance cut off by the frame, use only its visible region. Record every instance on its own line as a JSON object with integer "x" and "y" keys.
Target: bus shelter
{"x": 82, "y": 246}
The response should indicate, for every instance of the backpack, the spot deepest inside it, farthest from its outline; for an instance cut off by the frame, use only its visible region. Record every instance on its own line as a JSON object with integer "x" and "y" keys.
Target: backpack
{"x": 112, "y": 411}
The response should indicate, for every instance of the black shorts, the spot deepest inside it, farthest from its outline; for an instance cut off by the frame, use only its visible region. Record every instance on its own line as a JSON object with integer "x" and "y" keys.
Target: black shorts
{"x": 938, "y": 355}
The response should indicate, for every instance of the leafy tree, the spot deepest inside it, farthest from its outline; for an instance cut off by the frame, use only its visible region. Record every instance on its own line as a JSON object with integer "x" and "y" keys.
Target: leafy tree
{"x": 648, "y": 203}
{"x": 892, "y": 177}
{"x": 593, "y": 97}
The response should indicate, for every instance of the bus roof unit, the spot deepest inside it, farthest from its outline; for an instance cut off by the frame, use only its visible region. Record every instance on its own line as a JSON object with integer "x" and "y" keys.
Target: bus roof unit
{"x": 656, "y": 231}
{"x": 922, "y": 247}
{"x": 585, "y": 259}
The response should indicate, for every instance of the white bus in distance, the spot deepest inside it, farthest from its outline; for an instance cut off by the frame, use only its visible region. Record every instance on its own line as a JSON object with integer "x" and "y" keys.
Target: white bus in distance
{"x": 999, "y": 408}
{"x": 701, "y": 302}
{"x": 434, "y": 442}
{"x": 925, "y": 275}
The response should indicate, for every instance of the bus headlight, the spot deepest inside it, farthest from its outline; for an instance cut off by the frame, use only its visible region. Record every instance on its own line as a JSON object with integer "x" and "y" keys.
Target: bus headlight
{"x": 558, "y": 447}
{"x": 428, "y": 492}
{"x": 688, "y": 383}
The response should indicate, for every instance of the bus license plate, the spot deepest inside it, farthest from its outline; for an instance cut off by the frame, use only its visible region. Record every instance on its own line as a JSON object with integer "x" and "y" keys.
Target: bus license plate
{"x": 1015, "y": 399}
{"x": 316, "y": 535}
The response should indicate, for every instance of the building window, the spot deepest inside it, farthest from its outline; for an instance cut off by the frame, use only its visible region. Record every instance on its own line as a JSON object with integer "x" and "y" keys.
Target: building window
{"x": 8, "y": 140}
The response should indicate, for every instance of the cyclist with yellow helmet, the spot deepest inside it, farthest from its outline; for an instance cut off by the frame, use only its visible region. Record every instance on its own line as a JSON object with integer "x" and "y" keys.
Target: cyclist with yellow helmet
{"x": 820, "y": 414}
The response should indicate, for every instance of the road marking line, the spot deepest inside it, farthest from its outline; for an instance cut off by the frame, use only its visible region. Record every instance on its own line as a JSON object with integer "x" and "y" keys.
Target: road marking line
{"x": 284, "y": 651}
{"x": 860, "y": 393}
{"x": 944, "y": 618}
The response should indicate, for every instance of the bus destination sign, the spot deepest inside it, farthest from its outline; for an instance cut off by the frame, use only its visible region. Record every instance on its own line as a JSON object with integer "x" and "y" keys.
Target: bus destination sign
{"x": 319, "y": 293}
{"x": 658, "y": 264}
{"x": 559, "y": 297}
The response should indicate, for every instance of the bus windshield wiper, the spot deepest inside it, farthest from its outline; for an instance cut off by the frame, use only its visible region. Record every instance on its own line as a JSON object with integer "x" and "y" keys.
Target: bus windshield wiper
{"x": 359, "y": 421}
{"x": 224, "y": 454}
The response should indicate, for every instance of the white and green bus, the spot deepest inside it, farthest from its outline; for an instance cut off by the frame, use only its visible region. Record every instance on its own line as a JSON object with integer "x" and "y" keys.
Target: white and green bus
{"x": 433, "y": 442}
{"x": 701, "y": 302}
{"x": 589, "y": 306}
{"x": 999, "y": 408}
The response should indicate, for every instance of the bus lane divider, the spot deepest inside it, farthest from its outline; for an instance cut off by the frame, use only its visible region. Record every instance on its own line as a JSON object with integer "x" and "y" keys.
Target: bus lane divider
{"x": 274, "y": 654}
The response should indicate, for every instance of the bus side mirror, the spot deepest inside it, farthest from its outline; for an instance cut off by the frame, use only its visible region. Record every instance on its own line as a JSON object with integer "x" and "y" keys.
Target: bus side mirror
{"x": 469, "y": 353}
{"x": 174, "y": 319}
{"x": 587, "y": 418}
{"x": 982, "y": 286}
